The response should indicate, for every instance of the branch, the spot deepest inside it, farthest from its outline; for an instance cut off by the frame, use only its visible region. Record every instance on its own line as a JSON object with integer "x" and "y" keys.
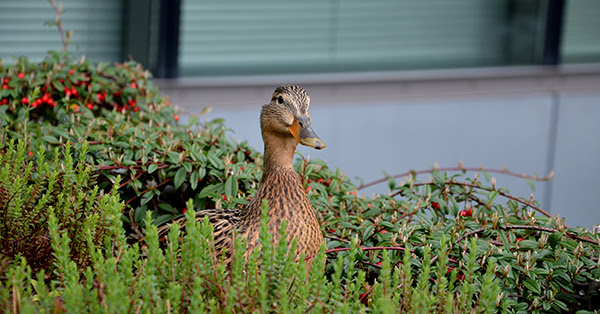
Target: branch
{"x": 458, "y": 168}
{"x": 57, "y": 12}
{"x": 473, "y": 185}
{"x": 528, "y": 227}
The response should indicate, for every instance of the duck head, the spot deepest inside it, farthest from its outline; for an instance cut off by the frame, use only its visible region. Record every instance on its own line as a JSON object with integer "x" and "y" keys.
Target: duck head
{"x": 287, "y": 117}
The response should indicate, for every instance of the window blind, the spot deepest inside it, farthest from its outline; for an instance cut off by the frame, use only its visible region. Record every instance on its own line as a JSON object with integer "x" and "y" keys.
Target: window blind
{"x": 96, "y": 26}
{"x": 267, "y": 36}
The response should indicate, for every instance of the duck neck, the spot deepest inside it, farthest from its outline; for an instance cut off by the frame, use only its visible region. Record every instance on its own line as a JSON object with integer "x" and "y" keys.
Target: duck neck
{"x": 279, "y": 153}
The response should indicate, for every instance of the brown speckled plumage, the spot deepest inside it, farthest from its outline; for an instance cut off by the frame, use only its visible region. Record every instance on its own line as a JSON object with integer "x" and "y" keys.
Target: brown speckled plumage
{"x": 285, "y": 123}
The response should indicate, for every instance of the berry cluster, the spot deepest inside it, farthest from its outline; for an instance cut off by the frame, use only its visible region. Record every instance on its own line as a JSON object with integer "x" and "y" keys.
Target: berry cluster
{"x": 62, "y": 83}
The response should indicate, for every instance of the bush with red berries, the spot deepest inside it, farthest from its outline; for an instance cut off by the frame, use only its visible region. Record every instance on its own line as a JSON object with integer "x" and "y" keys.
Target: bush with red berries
{"x": 131, "y": 131}
{"x": 448, "y": 242}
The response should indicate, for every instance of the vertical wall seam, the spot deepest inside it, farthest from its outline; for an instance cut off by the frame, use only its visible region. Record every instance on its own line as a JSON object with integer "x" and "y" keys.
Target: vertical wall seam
{"x": 552, "y": 143}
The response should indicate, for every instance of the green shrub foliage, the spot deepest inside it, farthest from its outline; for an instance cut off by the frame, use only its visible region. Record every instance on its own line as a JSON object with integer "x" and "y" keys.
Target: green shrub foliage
{"x": 438, "y": 242}
{"x": 31, "y": 191}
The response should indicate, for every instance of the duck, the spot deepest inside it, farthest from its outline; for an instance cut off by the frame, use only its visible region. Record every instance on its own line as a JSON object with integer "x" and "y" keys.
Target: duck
{"x": 284, "y": 122}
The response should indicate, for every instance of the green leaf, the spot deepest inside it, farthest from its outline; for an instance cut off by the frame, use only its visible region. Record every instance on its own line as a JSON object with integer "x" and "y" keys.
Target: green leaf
{"x": 194, "y": 180}
{"x": 139, "y": 214}
{"x": 367, "y": 232}
{"x": 167, "y": 207}
{"x": 532, "y": 285}
{"x": 531, "y": 184}
{"x": 210, "y": 190}
{"x": 50, "y": 139}
{"x": 173, "y": 157}
{"x": 58, "y": 85}
{"x": 486, "y": 175}
{"x": 179, "y": 177}
{"x": 231, "y": 186}
{"x": 147, "y": 197}
{"x": 152, "y": 168}
{"x": 438, "y": 178}
{"x": 554, "y": 239}
{"x": 216, "y": 162}
{"x": 162, "y": 219}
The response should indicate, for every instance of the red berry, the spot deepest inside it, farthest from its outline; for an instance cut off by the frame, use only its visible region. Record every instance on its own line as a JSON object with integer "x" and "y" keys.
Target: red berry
{"x": 90, "y": 106}
{"x": 6, "y": 80}
{"x": 176, "y": 117}
{"x": 247, "y": 152}
{"x": 24, "y": 100}
{"x": 136, "y": 109}
{"x": 435, "y": 205}
{"x": 72, "y": 71}
{"x": 4, "y": 101}
{"x": 74, "y": 91}
{"x": 466, "y": 212}
{"x": 383, "y": 231}
{"x": 199, "y": 179}
{"x": 519, "y": 239}
{"x": 184, "y": 210}
{"x": 30, "y": 154}
{"x": 4, "y": 86}
{"x": 379, "y": 263}
{"x": 224, "y": 197}
{"x": 45, "y": 98}
{"x": 308, "y": 189}
{"x": 363, "y": 297}
{"x": 21, "y": 75}
{"x": 133, "y": 85}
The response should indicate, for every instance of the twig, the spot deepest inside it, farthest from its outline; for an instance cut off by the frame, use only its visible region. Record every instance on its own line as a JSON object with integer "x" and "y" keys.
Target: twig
{"x": 458, "y": 168}
{"x": 336, "y": 238}
{"x": 132, "y": 179}
{"x": 57, "y": 12}
{"x": 155, "y": 187}
{"x": 473, "y": 185}
{"x": 528, "y": 227}
{"x": 375, "y": 248}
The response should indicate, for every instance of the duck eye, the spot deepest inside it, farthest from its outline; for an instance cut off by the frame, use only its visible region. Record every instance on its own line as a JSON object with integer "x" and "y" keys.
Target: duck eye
{"x": 280, "y": 99}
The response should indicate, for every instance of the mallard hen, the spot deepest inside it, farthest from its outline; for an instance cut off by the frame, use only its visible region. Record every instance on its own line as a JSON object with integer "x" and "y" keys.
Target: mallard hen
{"x": 284, "y": 123}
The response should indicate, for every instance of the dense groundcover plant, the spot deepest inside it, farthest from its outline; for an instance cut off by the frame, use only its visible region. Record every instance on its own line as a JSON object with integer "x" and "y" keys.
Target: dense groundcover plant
{"x": 446, "y": 241}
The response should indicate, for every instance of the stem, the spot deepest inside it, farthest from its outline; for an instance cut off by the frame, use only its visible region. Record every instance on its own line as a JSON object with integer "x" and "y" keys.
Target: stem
{"x": 57, "y": 12}
{"x": 458, "y": 168}
{"x": 537, "y": 228}
{"x": 473, "y": 185}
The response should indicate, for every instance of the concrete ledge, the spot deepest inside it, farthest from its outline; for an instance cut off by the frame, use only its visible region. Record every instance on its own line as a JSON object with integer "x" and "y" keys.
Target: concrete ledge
{"x": 192, "y": 94}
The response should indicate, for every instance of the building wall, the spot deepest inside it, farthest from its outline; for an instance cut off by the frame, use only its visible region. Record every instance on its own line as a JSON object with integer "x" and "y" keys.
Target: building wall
{"x": 531, "y": 120}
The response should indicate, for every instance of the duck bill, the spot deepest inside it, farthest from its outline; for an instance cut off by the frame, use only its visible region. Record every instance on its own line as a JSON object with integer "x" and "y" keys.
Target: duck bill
{"x": 304, "y": 133}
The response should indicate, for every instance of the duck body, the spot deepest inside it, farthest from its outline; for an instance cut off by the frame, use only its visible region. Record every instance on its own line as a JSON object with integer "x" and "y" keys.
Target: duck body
{"x": 285, "y": 123}
{"x": 286, "y": 199}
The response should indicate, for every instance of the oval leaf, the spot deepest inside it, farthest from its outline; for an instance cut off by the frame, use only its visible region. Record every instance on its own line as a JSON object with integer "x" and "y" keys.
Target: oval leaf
{"x": 179, "y": 177}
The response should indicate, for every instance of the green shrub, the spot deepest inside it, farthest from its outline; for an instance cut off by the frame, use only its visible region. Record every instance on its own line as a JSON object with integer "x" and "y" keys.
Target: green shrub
{"x": 453, "y": 242}
{"x": 163, "y": 164}
{"x": 183, "y": 277}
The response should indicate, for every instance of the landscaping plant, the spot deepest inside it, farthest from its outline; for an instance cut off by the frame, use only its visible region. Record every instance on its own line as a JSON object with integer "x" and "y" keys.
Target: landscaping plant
{"x": 93, "y": 160}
